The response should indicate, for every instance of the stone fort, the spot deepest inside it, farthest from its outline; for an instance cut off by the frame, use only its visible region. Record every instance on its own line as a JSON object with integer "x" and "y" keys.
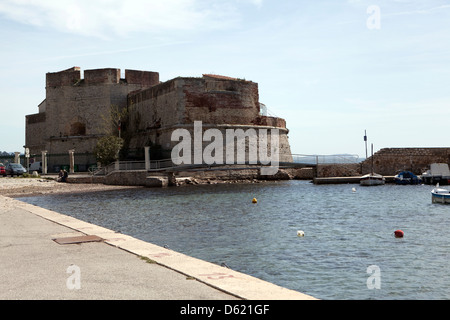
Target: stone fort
{"x": 72, "y": 116}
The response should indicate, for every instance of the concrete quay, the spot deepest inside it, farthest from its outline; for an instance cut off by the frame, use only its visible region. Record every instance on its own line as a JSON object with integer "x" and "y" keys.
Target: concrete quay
{"x": 45, "y": 255}
{"x": 345, "y": 180}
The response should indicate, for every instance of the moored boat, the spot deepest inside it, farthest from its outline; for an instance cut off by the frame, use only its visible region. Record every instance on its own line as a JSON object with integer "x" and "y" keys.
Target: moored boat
{"x": 407, "y": 177}
{"x": 438, "y": 173}
{"x": 372, "y": 179}
{"x": 440, "y": 195}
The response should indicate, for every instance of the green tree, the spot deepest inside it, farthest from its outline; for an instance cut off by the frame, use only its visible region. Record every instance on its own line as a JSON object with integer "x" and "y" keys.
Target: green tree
{"x": 107, "y": 149}
{"x": 117, "y": 116}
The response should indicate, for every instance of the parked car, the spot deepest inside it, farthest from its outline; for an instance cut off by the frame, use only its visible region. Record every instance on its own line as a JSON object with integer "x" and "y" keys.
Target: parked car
{"x": 36, "y": 166}
{"x": 2, "y": 170}
{"x": 15, "y": 169}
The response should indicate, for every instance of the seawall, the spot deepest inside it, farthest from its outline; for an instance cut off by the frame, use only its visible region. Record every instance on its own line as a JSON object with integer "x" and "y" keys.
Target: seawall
{"x": 388, "y": 162}
{"x": 215, "y": 175}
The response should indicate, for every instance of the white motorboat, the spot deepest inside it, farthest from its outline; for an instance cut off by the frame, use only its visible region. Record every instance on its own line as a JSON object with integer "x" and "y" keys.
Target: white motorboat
{"x": 440, "y": 195}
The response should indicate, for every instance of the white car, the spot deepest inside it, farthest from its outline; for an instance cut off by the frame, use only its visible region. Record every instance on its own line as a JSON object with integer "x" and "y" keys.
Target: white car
{"x": 36, "y": 166}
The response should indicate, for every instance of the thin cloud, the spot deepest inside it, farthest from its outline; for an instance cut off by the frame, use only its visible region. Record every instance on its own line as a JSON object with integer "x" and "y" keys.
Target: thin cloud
{"x": 98, "y": 53}
{"x": 420, "y": 11}
{"x": 111, "y": 18}
{"x": 257, "y": 3}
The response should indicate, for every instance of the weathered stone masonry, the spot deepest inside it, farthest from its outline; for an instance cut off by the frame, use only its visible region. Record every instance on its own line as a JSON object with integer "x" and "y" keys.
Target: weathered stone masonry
{"x": 71, "y": 115}
{"x": 390, "y": 161}
{"x": 216, "y": 102}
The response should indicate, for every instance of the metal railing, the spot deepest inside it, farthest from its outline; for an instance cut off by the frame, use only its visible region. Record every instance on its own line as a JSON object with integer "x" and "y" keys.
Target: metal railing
{"x": 326, "y": 159}
{"x": 132, "y": 165}
{"x": 168, "y": 163}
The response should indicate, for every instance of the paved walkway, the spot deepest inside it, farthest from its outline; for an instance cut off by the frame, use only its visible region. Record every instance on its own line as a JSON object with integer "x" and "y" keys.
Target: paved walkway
{"x": 35, "y": 266}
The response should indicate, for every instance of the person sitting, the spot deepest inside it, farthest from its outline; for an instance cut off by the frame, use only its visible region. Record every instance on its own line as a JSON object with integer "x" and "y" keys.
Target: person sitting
{"x": 65, "y": 175}
{"x": 62, "y": 177}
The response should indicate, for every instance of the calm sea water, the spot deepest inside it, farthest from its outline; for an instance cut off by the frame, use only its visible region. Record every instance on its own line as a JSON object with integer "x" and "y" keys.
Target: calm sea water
{"x": 345, "y": 233}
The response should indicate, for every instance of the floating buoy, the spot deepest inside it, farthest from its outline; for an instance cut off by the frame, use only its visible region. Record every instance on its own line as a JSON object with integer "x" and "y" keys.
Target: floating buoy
{"x": 254, "y": 200}
{"x": 399, "y": 233}
{"x": 353, "y": 189}
{"x": 300, "y": 233}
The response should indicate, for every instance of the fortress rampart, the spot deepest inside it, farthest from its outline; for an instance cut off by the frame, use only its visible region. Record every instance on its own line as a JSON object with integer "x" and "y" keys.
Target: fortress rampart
{"x": 72, "y": 116}
{"x": 217, "y": 102}
{"x": 105, "y": 76}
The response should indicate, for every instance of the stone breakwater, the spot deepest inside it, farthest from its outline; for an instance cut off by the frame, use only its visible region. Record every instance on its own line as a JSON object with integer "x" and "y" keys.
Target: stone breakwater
{"x": 389, "y": 162}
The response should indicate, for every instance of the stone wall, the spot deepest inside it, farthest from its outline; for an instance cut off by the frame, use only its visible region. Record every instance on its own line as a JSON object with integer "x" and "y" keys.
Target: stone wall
{"x": 153, "y": 114}
{"x": 217, "y": 103}
{"x": 127, "y": 178}
{"x": 390, "y": 161}
{"x": 338, "y": 170}
{"x": 35, "y": 129}
{"x": 220, "y": 101}
{"x": 74, "y": 113}
{"x": 63, "y": 78}
{"x": 76, "y": 109}
{"x": 102, "y": 76}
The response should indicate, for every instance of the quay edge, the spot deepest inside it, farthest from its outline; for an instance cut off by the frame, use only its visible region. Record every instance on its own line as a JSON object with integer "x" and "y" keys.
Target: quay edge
{"x": 231, "y": 282}
{"x": 346, "y": 180}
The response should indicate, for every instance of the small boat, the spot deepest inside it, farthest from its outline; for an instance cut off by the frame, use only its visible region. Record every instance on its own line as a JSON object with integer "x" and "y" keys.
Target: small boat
{"x": 372, "y": 179}
{"x": 438, "y": 173}
{"x": 407, "y": 177}
{"x": 440, "y": 195}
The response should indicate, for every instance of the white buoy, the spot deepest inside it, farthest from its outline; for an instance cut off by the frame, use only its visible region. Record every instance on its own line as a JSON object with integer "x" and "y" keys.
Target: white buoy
{"x": 353, "y": 189}
{"x": 300, "y": 233}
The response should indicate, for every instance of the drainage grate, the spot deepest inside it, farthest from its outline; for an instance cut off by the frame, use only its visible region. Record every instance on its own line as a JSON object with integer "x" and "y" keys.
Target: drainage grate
{"x": 79, "y": 239}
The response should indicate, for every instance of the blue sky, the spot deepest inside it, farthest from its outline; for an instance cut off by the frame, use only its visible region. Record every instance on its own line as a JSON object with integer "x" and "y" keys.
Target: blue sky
{"x": 332, "y": 69}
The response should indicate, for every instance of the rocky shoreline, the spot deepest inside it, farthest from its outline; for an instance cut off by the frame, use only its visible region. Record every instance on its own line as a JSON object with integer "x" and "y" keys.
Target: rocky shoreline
{"x": 236, "y": 178}
{"x": 26, "y": 187}
{"x": 47, "y": 185}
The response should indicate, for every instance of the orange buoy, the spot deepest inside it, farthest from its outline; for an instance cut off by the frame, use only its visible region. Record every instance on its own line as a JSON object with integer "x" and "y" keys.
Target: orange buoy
{"x": 399, "y": 233}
